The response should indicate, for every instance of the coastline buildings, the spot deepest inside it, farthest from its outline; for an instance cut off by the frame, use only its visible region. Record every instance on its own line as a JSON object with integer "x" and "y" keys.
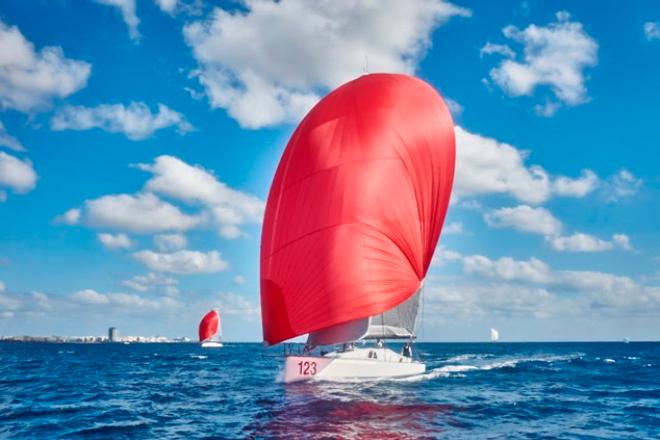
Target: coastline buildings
{"x": 113, "y": 337}
{"x": 95, "y": 339}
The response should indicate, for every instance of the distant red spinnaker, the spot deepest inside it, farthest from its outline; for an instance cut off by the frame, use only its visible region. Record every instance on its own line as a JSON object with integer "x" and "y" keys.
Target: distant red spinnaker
{"x": 356, "y": 205}
{"x": 208, "y": 326}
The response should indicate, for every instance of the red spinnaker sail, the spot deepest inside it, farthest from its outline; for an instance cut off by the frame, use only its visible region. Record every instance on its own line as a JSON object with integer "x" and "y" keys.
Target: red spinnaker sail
{"x": 356, "y": 206}
{"x": 208, "y": 326}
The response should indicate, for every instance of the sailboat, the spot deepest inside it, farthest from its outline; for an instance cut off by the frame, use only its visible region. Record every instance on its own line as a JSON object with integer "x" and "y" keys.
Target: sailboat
{"x": 494, "y": 335}
{"x": 209, "y": 328}
{"x": 353, "y": 217}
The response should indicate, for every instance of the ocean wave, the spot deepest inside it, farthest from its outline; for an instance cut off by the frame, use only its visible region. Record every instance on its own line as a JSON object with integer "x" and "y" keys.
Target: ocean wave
{"x": 491, "y": 390}
{"x": 112, "y": 428}
{"x": 464, "y": 357}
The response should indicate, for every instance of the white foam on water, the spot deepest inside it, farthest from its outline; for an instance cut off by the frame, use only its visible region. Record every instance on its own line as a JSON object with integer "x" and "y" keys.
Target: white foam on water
{"x": 445, "y": 371}
{"x": 198, "y": 356}
{"x": 609, "y": 361}
{"x": 502, "y": 364}
{"x": 462, "y": 357}
{"x": 458, "y": 368}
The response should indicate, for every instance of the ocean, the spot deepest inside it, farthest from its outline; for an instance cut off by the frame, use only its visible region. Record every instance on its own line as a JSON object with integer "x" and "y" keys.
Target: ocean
{"x": 470, "y": 390}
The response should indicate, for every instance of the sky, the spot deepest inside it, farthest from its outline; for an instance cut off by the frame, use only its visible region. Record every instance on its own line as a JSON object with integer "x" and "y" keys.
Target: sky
{"x": 138, "y": 140}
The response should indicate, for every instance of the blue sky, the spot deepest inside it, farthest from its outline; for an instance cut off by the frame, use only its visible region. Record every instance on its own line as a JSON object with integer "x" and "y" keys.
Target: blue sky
{"x": 139, "y": 138}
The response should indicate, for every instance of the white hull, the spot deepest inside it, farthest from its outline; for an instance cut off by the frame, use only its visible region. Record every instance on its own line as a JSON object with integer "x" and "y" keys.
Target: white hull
{"x": 211, "y": 344}
{"x": 357, "y": 363}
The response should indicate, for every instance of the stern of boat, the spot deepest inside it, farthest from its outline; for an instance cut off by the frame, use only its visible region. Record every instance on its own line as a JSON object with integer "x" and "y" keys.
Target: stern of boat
{"x": 354, "y": 364}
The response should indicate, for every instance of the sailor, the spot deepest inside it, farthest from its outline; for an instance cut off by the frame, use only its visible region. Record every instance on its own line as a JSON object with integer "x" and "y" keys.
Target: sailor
{"x": 407, "y": 350}
{"x": 379, "y": 343}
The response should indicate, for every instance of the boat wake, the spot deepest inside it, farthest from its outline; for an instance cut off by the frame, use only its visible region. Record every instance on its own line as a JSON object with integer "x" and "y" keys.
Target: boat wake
{"x": 460, "y": 370}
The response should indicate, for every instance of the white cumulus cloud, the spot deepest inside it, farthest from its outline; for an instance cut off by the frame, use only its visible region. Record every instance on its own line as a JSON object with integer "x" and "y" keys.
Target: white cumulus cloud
{"x": 555, "y": 55}
{"x": 622, "y": 184}
{"x": 182, "y": 261}
{"x": 9, "y": 141}
{"x": 141, "y": 213}
{"x": 229, "y": 208}
{"x": 622, "y": 240}
{"x": 135, "y": 121}
{"x": 506, "y": 268}
{"x": 128, "y": 13}
{"x": 443, "y": 256}
{"x": 215, "y": 205}
{"x": 525, "y": 218}
{"x": 580, "y": 242}
{"x": 16, "y": 174}
{"x": 454, "y": 107}
{"x": 532, "y": 287}
{"x": 122, "y": 301}
{"x": 30, "y": 80}
{"x": 170, "y": 242}
{"x": 453, "y": 228}
{"x": 652, "y": 30}
{"x": 486, "y": 166}
{"x": 168, "y": 6}
{"x": 90, "y": 296}
{"x": 579, "y": 187}
{"x": 270, "y": 63}
{"x": 232, "y": 304}
{"x": 115, "y": 241}
{"x": 501, "y": 49}
{"x": 71, "y": 217}
{"x": 151, "y": 280}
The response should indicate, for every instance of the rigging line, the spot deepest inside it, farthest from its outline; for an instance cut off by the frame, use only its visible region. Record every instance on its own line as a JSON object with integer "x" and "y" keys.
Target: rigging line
{"x": 422, "y": 333}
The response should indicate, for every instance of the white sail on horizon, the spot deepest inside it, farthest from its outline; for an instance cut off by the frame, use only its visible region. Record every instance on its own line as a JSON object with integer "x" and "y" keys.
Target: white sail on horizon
{"x": 494, "y": 335}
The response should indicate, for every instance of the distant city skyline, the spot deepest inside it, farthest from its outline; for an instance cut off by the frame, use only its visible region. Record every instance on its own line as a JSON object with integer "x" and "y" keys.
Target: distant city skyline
{"x": 138, "y": 141}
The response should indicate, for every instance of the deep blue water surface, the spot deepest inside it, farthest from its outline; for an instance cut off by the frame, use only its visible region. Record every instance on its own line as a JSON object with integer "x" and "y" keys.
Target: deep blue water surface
{"x": 535, "y": 390}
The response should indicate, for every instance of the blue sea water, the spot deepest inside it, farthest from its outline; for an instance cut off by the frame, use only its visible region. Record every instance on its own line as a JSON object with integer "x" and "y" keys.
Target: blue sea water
{"x": 517, "y": 390}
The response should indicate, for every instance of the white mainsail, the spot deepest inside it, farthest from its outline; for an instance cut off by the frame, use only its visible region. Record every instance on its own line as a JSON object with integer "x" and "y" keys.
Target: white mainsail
{"x": 494, "y": 335}
{"x": 396, "y": 323}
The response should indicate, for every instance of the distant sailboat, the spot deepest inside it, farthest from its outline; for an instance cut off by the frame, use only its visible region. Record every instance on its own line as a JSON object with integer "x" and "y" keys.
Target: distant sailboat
{"x": 209, "y": 327}
{"x": 351, "y": 223}
{"x": 494, "y": 335}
